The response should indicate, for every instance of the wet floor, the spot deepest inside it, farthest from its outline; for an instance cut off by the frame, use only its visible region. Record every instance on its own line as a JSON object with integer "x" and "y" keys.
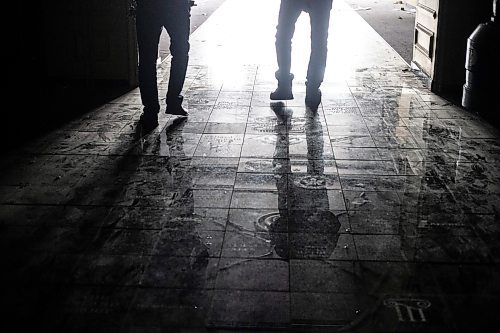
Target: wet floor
{"x": 377, "y": 213}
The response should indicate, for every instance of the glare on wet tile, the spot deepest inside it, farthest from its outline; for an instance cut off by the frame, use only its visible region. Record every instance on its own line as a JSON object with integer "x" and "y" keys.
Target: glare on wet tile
{"x": 341, "y": 106}
{"x": 360, "y": 167}
{"x": 229, "y": 114}
{"x": 265, "y": 146}
{"x": 261, "y": 98}
{"x": 335, "y": 93}
{"x": 266, "y": 127}
{"x": 198, "y": 113}
{"x": 352, "y": 141}
{"x": 169, "y": 145}
{"x": 354, "y": 153}
{"x": 266, "y": 113}
{"x": 206, "y": 83}
{"x": 306, "y": 124}
{"x": 264, "y": 165}
{"x": 224, "y": 128}
{"x": 189, "y": 126}
{"x": 200, "y": 97}
{"x": 315, "y": 147}
{"x": 334, "y": 119}
{"x": 219, "y": 145}
{"x": 349, "y": 130}
{"x": 231, "y": 99}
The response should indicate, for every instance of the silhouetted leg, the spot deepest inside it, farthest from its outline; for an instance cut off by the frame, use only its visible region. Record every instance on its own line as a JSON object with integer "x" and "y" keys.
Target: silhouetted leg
{"x": 319, "y": 14}
{"x": 320, "y": 19}
{"x": 148, "y": 36}
{"x": 289, "y": 13}
{"x": 178, "y": 28}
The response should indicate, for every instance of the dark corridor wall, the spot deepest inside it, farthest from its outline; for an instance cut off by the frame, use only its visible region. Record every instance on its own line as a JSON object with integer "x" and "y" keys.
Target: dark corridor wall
{"x": 25, "y": 71}
{"x": 63, "y": 58}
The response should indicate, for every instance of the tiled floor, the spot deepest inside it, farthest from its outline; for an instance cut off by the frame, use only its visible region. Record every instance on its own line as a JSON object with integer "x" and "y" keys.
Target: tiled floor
{"x": 380, "y": 213}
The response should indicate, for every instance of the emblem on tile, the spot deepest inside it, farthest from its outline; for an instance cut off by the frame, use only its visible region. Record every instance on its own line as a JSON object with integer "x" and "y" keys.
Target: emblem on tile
{"x": 409, "y": 309}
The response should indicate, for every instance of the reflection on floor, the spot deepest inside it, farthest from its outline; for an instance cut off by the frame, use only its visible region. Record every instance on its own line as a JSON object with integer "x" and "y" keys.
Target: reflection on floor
{"x": 378, "y": 213}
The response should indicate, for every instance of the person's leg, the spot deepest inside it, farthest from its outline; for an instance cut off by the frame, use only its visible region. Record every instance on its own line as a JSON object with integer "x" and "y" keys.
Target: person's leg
{"x": 319, "y": 12}
{"x": 149, "y": 29}
{"x": 289, "y": 13}
{"x": 177, "y": 23}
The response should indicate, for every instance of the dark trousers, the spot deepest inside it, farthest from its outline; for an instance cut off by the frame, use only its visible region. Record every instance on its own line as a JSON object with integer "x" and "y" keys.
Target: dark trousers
{"x": 152, "y": 17}
{"x": 319, "y": 14}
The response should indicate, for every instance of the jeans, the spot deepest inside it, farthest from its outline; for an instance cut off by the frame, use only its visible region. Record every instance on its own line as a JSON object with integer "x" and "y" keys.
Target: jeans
{"x": 152, "y": 17}
{"x": 319, "y": 14}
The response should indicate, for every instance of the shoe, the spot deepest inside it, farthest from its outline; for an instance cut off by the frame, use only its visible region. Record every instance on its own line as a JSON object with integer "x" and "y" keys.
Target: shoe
{"x": 174, "y": 106}
{"x": 281, "y": 94}
{"x": 284, "y": 90}
{"x": 148, "y": 122}
{"x": 313, "y": 98}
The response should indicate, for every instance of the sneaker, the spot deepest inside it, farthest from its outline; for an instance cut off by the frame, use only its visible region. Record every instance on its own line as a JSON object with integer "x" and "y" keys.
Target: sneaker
{"x": 148, "y": 122}
{"x": 174, "y": 106}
